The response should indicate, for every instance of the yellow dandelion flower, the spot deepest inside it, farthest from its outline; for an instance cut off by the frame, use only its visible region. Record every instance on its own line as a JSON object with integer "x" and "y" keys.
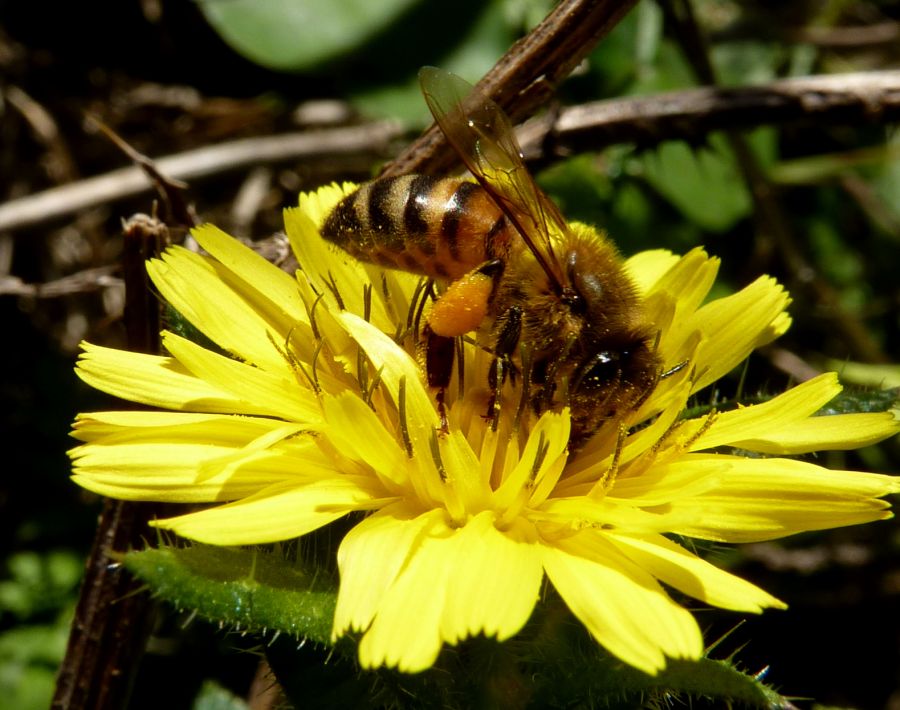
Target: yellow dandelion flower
{"x": 315, "y": 408}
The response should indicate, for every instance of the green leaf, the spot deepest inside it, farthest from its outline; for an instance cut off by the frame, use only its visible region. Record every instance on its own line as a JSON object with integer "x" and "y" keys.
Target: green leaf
{"x": 477, "y": 45}
{"x": 39, "y": 582}
{"x": 704, "y": 184}
{"x": 248, "y": 590}
{"x": 29, "y": 660}
{"x": 292, "y": 35}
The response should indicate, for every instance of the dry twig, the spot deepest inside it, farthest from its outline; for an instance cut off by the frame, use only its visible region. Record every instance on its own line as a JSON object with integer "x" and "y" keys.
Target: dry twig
{"x": 690, "y": 115}
{"x": 371, "y": 139}
{"x": 527, "y": 75}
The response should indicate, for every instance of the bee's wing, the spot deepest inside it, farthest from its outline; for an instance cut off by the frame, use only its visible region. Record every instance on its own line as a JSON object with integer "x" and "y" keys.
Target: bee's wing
{"x": 484, "y": 137}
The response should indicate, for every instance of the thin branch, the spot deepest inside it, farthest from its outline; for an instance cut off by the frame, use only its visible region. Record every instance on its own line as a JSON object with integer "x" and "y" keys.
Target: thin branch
{"x": 170, "y": 190}
{"x": 850, "y": 99}
{"x": 527, "y": 75}
{"x": 373, "y": 138}
{"x": 85, "y": 281}
{"x": 113, "y": 617}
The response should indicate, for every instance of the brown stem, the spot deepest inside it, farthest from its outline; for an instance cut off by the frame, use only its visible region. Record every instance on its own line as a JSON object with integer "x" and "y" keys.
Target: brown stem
{"x": 113, "y": 617}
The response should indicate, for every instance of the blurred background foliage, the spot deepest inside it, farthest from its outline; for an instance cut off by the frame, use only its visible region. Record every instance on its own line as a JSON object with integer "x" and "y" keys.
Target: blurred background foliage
{"x": 169, "y": 76}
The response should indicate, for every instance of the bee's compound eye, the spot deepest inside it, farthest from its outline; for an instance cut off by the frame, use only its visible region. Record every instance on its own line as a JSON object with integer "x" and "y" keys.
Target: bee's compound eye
{"x": 599, "y": 370}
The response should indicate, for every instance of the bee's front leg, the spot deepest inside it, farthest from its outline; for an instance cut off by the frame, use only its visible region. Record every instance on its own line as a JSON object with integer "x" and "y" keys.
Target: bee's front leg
{"x": 507, "y": 339}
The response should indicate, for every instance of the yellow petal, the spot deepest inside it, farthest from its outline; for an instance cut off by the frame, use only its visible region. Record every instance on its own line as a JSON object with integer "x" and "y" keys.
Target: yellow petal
{"x": 282, "y": 511}
{"x": 171, "y": 472}
{"x": 735, "y": 325}
{"x": 371, "y": 556}
{"x": 827, "y": 433}
{"x": 194, "y": 286}
{"x": 358, "y": 434}
{"x": 456, "y": 583}
{"x": 689, "y": 280}
{"x": 622, "y": 606}
{"x": 646, "y": 267}
{"x": 163, "y": 427}
{"x": 153, "y": 380}
{"x": 466, "y": 489}
{"x": 406, "y": 631}
{"x": 776, "y": 417}
{"x": 275, "y": 394}
{"x": 867, "y": 374}
{"x": 686, "y": 476}
{"x": 395, "y": 365}
{"x": 269, "y": 289}
{"x": 543, "y": 457}
{"x": 495, "y": 581}
{"x": 672, "y": 564}
{"x": 763, "y": 499}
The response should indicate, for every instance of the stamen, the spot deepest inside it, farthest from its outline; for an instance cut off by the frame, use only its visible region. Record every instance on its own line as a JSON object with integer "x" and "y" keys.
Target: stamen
{"x": 362, "y": 371}
{"x": 311, "y": 314}
{"x": 412, "y": 314}
{"x": 494, "y": 405}
{"x": 436, "y": 456}
{"x": 367, "y": 302}
{"x": 598, "y": 490}
{"x": 372, "y": 386}
{"x": 708, "y": 422}
{"x": 401, "y": 411}
{"x": 293, "y": 362}
{"x": 315, "y": 361}
{"x": 385, "y": 291}
{"x": 540, "y": 455}
{"x": 657, "y": 445}
{"x": 427, "y": 292}
{"x": 332, "y": 286}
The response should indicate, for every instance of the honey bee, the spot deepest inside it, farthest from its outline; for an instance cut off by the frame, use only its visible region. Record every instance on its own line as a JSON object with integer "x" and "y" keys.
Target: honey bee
{"x": 514, "y": 270}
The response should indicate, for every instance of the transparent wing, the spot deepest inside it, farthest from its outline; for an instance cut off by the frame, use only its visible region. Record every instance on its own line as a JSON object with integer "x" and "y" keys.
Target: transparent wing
{"x": 484, "y": 137}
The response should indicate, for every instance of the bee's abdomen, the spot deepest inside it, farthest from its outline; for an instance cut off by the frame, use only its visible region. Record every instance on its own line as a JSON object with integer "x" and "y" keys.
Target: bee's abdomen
{"x": 441, "y": 228}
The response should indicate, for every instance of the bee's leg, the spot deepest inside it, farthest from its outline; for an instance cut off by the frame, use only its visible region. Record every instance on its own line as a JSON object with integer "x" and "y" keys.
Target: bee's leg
{"x": 439, "y": 352}
{"x": 459, "y": 310}
{"x": 507, "y": 339}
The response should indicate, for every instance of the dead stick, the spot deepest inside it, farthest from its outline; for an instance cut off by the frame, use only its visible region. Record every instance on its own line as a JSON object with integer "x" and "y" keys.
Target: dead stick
{"x": 527, "y": 75}
{"x": 113, "y": 617}
{"x": 853, "y": 98}
{"x": 849, "y": 99}
{"x": 372, "y": 138}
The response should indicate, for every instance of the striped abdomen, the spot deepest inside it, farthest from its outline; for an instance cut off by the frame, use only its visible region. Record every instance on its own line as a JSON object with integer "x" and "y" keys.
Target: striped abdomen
{"x": 441, "y": 228}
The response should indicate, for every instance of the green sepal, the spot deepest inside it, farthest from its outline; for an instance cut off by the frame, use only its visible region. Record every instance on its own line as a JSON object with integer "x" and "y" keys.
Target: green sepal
{"x": 248, "y": 590}
{"x": 552, "y": 663}
{"x": 855, "y": 401}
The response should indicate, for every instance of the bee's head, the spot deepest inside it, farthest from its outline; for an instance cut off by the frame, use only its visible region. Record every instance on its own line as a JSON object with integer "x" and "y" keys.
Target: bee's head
{"x": 613, "y": 375}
